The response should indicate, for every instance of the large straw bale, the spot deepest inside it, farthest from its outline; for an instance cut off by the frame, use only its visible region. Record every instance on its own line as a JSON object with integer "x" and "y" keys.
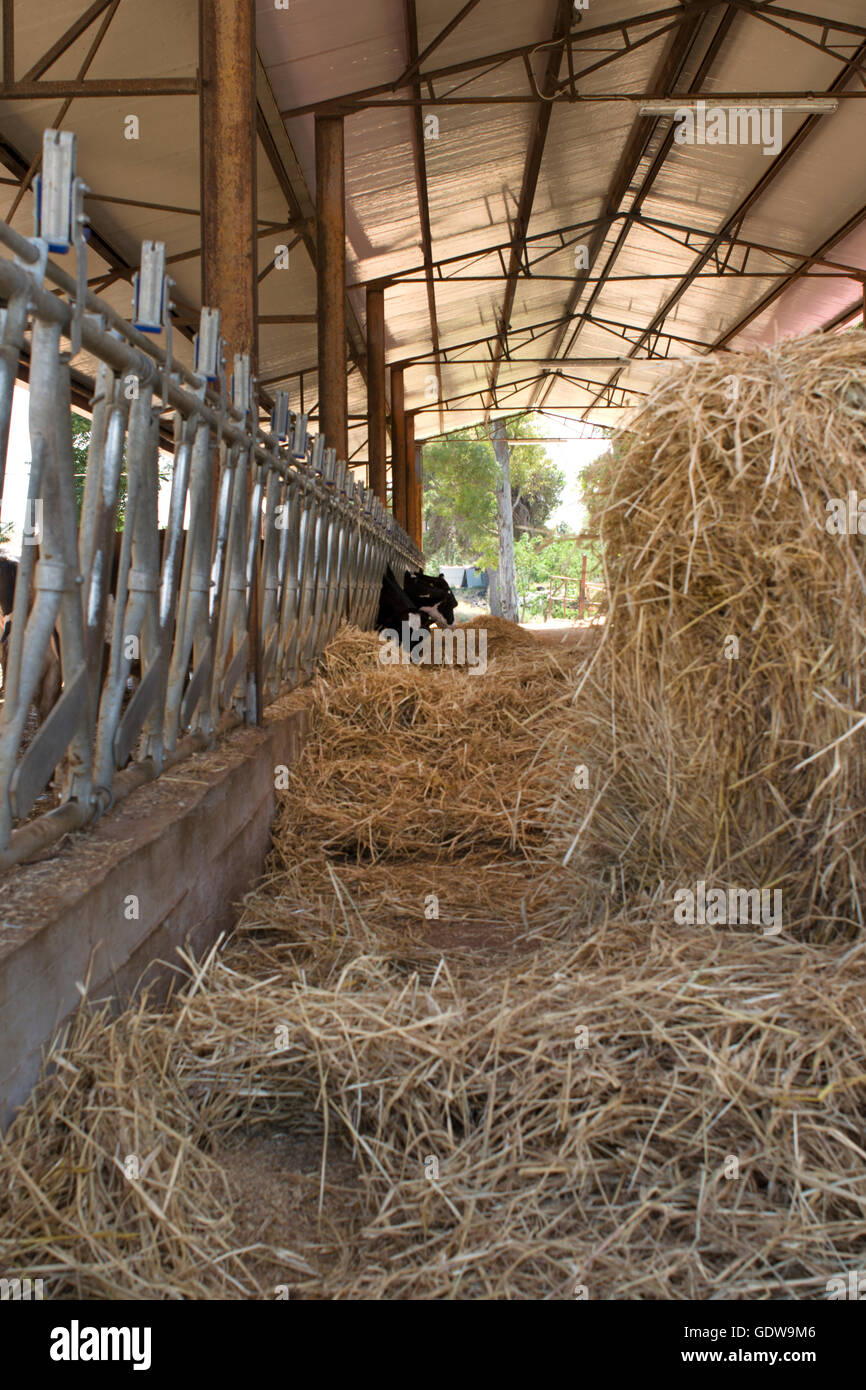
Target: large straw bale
{"x": 743, "y": 767}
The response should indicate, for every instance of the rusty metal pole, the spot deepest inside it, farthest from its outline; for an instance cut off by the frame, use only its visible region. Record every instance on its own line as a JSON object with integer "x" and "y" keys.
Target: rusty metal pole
{"x": 376, "y": 443}
{"x": 418, "y": 535}
{"x": 411, "y": 477}
{"x": 227, "y": 129}
{"x": 229, "y": 248}
{"x": 398, "y": 447}
{"x": 331, "y": 278}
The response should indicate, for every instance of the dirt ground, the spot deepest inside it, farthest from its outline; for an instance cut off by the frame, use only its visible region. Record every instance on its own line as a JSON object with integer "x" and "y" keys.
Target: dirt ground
{"x": 276, "y": 1183}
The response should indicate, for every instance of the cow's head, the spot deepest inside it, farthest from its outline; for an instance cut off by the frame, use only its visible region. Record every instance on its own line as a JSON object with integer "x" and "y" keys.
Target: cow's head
{"x": 433, "y": 596}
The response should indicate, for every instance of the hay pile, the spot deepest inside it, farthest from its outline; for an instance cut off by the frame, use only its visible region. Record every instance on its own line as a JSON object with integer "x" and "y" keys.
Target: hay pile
{"x": 702, "y": 1138}
{"x": 500, "y": 633}
{"x": 705, "y": 1140}
{"x": 72, "y": 1209}
{"x": 643, "y": 1112}
{"x": 737, "y": 762}
{"x": 441, "y": 763}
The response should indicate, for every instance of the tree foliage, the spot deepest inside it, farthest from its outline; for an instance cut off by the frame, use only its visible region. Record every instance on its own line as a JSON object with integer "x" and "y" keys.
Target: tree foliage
{"x": 80, "y": 444}
{"x": 460, "y": 473}
{"x": 536, "y": 562}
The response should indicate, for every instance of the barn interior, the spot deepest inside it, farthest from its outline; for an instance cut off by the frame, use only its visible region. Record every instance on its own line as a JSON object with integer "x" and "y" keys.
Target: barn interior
{"x": 542, "y": 979}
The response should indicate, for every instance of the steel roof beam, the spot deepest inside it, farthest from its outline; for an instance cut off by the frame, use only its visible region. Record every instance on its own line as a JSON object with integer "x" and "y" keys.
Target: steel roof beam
{"x": 421, "y": 186}
{"x": 507, "y": 389}
{"x": 531, "y": 171}
{"x": 73, "y": 89}
{"x": 656, "y": 224}
{"x": 531, "y": 332}
{"x": 66, "y": 40}
{"x": 489, "y": 60}
{"x": 669, "y": 73}
{"x": 722, "y": 272}
{"x": 419, "y": 58}
{"x": 599, "y": 360}
{"x": 495, "y": 250}
{"x": 852, "y": 223}
{"x": 827, "y": 26}
{"x": 597, "y": 98}
{"x": 736, "y": 218}
{"x": 521, "y": 410}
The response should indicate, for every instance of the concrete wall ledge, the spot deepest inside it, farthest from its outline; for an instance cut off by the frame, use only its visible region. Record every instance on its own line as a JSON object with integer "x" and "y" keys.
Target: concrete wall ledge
{"x": 181, "y": 851}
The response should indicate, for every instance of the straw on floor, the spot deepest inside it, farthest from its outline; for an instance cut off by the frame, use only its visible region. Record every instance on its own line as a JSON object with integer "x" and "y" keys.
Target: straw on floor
{"x": 613, "y": 1107}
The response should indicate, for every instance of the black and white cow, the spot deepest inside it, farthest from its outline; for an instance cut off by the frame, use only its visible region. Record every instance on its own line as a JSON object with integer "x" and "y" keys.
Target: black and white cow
{"x": 419, "y": 601}
{"x": 432, "y": 596}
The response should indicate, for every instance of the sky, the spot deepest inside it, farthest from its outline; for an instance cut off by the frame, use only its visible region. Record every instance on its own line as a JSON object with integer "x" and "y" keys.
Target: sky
{"x": 573, "y": 458}
{"x": 17, "y": 466}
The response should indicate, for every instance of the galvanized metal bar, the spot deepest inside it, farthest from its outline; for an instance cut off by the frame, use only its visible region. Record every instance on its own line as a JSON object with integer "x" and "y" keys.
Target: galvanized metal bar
{"x": 89, "y": 614}
{"x": 195, "y": 583}
{"x": 13, "y": 325}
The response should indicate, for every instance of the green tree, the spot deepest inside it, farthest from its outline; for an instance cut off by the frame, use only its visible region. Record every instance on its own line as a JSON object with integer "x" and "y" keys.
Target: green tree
{"x": 80, "y": 443}
{"x": 459, "y": 500}
{"x": 460, "y": 474}
{"x": 536, "y": 482}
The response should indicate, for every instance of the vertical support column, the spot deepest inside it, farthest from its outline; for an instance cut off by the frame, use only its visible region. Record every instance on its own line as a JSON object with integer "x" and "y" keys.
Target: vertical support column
{"x": 331, "y": 278}
{"x": 418, "y": 533}
{"x": 411, "y": 478}
{"x": 399, "y": 489}
{"x": 227, "y": 128}
{"x": 8, "y": 42}
{"x": 376, "y": 390}
{"x": 229, "y": 246}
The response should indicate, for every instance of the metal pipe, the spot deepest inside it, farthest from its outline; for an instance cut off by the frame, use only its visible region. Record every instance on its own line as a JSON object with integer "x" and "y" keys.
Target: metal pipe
{"x": 399, "y": 489}
{"x": 376, "y": 444}
{"x": 228, "y": 162}
{"x": 185, "y": 613}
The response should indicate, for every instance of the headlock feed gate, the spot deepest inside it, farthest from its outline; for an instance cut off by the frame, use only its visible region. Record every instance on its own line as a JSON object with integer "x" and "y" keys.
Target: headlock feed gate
{"x": 269, "y": 544}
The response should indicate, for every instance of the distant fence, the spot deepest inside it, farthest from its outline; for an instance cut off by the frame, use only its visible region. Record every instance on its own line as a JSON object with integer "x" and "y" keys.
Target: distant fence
{"x": 577, "y": 594}
{"x": 269, "y": 542}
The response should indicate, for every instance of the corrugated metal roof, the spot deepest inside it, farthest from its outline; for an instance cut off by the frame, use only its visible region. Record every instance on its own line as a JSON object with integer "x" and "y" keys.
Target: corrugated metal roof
{"x": 655, "y": 211}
